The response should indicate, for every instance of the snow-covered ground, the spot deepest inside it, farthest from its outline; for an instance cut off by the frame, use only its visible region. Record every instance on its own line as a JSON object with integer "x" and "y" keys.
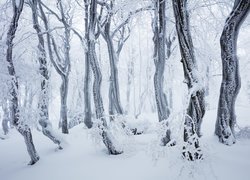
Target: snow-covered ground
{"x": 85, "y": 159}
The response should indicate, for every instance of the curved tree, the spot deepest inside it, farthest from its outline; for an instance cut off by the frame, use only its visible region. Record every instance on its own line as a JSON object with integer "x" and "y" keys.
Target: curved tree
{"x": 114, "y": 93}
{"x": 43, "y": 101}
{"x": 20, "y": 126}
{"x": 196, "y": 105}
{"x": 230, "y": 85}
{"x": 108, "y": 139}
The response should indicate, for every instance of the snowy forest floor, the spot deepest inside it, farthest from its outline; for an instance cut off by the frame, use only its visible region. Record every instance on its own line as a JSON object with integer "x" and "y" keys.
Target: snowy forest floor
{"x": 84, "y": 159}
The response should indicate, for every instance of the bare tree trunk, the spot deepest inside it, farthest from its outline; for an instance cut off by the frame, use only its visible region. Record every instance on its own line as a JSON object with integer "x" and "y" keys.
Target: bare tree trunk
{"x": 114, "y": 95}
{"x": 230, "y": 85}
{"x": 21, "y": 127}
{"x": 87, "y": 79}
{"x": 159, "y": 59}
{"x": 196, "y": 106}
{"x": 106, "y": 135}
{"x": 64, "y": 95}
{"x": 44, "y": 99}
{"x": 66, "y": 69}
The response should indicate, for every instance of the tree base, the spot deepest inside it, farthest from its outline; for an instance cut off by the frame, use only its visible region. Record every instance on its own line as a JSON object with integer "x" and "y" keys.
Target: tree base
{"x": 34, "y": 161}
{"x": 115, "y": 152}
{"x": 108, "y": 142}
{"x": 191, "y": 149}
{"x": 192, "y": 156}
{"x": 226, "y": 137}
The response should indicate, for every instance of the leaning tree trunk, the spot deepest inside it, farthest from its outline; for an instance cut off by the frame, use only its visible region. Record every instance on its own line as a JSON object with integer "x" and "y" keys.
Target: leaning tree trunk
{"x": 21, "y": 126}
{"x": 87, "y": 78}
{"x": 114, "y": 94}
{"x": 230, "y": 85}
{"x": 196, "y": 106}
{"x": 106, "y": 135}
{"x": 159, "y": 59}
{"x": 44, "y": 99}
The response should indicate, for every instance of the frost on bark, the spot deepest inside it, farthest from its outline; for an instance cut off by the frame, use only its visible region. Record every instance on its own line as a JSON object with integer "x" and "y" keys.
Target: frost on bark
{"x": 230, "y": 85}
{"x": 159, "y": 28}
{"x": 106, "y": 135}
{"x": 196, "y": 106}
{"x": 62, "y": 62}
{"x": 20, "y": 126}
{"x": 43, "y": 99}
{"x": 87, "y": 78}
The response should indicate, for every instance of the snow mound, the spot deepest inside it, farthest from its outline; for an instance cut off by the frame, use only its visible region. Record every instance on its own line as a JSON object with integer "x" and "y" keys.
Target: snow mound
{"x": 244, "y": 133}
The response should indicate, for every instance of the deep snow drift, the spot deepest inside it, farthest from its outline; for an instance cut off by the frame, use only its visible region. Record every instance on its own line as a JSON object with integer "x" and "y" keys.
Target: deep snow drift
{"x": 84, "y": 157}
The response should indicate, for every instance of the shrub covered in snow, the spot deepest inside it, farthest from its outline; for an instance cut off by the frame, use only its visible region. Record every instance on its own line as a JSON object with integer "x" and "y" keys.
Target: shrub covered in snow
{"x": 244, "y": 133}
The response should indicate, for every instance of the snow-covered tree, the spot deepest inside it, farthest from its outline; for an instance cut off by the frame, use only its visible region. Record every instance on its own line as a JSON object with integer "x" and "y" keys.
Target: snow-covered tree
{"x": 43, "y": 69}
{"x": 230, "y": 84}
{"x": 20, "y": 126}
{"x": 106, "y": 135}
{"x": 159, "y": 28}
{"x": 62, "y": 62}
{"x": 196, "y": 104}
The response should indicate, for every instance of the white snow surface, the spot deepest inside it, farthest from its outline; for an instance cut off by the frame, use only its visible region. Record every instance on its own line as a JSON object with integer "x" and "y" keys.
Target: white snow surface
{"x": 143, "y": 159}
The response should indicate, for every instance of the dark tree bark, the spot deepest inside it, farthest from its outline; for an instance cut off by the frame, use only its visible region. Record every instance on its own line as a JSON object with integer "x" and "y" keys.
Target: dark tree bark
{"x": 106, "y": 135}
{"x": 64, "y": 110}
{"x": 87, "y": 78}
{"x": 20, "y": 126}
{"x": 159, "y": 29}
{"x": 230, "y": 85}
{"x": 196, "y": 106}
